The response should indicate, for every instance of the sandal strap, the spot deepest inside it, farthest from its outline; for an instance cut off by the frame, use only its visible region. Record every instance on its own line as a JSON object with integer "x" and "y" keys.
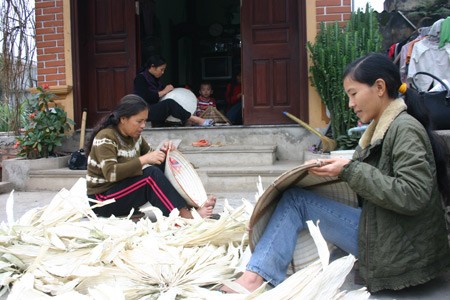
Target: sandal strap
{"x": 236, "y": 287}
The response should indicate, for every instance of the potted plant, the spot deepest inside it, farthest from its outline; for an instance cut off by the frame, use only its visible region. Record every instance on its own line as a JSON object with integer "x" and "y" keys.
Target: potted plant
{"x": 36, "y": 144}
{"x": 48, "y": 125}
{"x": 334, "y": 48}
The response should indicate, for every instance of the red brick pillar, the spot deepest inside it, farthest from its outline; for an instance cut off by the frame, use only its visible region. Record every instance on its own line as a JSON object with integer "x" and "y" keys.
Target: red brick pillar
{"x": 50, "y": 42}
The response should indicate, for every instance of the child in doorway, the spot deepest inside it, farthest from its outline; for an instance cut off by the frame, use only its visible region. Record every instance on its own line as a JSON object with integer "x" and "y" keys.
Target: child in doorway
{"x": 204, "y": 99}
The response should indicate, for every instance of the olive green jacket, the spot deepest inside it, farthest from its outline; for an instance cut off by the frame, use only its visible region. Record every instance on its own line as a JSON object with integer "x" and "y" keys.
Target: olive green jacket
{"x": 402, "y": 231}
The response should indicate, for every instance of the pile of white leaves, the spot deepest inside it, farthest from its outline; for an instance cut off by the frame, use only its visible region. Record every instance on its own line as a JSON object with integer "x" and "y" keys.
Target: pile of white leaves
{"x": 64, "y": 251}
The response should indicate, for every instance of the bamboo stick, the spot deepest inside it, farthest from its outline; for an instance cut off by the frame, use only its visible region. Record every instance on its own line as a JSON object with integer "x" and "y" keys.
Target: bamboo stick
{"x": 327, "y": 143}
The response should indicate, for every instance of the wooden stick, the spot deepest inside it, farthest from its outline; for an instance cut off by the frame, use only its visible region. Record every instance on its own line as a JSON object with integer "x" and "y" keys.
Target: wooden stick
{"x": 83, "y": 129}
{"x": 327, "y": 143}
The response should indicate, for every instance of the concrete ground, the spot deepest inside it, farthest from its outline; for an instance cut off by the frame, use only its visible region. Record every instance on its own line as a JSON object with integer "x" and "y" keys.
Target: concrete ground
{"x": 438, "y": 288}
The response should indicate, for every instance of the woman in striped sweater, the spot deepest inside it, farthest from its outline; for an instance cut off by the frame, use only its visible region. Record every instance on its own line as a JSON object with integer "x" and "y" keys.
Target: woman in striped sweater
{"x": 116, "y": 155}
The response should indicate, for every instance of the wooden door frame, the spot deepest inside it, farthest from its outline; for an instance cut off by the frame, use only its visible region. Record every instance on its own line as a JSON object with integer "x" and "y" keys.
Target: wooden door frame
{"x": 76, "y": 89}
{"x": 303, "y": 61}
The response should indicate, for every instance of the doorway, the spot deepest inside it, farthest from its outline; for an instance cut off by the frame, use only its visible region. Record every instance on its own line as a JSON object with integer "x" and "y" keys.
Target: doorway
{"x": 200, "y": 41}
{"x": 213, "y": 40}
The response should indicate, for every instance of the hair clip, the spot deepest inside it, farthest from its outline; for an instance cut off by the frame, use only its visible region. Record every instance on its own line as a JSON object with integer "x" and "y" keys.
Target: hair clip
{"x": 403, "y": 87}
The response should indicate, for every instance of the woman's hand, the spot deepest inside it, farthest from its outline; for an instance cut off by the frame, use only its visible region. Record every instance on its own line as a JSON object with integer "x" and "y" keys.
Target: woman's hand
{"x": 156, "y": 157}
{"x": 166, "y": 90}
{"x": 329, "y": 167}
{"x": 169, "y": 88}
{"x": 168, "y": 145}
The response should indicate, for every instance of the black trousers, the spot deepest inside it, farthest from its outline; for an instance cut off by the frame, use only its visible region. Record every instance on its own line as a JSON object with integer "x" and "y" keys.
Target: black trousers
{"x": 159, "y": 112}
{"x": 152, "y": 186}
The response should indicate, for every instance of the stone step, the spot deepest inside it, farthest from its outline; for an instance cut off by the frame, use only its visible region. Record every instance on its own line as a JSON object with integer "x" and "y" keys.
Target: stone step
{"x": 16, "y": 170}
{"x": 52, "y": 179}
{"x": 226, "y": 159}
{"x": 6, "y": 187}
{"x": 215, "y": 179}
{"x": 291, "y": 139}
{"x": 242, "y": 179}
{"x": 230, "y": 155}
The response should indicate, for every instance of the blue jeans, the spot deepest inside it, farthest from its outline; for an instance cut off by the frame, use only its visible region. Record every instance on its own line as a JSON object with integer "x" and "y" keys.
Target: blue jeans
{"x": 274, "y": 250}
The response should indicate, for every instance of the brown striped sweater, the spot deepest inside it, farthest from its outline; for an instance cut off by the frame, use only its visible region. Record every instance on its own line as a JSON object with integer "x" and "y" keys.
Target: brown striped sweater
{"x": 113, "y": 157}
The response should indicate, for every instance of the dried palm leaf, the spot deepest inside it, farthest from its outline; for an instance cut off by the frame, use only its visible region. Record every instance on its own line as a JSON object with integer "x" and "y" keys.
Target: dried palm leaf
{"x": 65, "y": 251}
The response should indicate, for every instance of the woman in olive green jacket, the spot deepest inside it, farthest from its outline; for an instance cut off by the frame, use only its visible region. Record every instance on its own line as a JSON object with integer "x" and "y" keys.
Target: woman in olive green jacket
{"x": 402, "y": 237}
{"x": 398, "y": 232}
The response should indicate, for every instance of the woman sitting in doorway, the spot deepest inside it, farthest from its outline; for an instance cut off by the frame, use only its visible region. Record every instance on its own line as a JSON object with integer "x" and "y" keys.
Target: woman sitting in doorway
{"x": 148, "y": 86}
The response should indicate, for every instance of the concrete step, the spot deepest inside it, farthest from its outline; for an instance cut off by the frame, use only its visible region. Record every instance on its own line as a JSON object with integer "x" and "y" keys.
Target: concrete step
{"x": 242, "y": 179}
{"x": 291, "y": 139}
{"x": 6, "y": 187}
{"x": 16, "y": 170}
{"x": 230, "y": 155}
{"x": 52, "y": 179}
{"x": 215, "y": 179}
{"x": 218, "y": 167}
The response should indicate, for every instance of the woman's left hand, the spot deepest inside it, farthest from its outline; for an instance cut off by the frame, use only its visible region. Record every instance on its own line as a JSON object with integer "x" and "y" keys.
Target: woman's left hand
{"x": 168, "y": 145}
{"x": 330, "y": 166}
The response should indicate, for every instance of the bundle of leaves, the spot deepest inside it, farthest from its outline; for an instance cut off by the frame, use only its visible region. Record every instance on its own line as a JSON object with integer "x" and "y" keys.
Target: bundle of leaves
{"x": 47, "y": 126}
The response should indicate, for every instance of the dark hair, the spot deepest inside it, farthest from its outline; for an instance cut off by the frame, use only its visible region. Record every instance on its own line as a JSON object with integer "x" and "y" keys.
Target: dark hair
{"x": 373, "y": 66}
{"x": 129, "y": 105}
{"x": 155, "y": 60}
{"x": 205, "y": 83}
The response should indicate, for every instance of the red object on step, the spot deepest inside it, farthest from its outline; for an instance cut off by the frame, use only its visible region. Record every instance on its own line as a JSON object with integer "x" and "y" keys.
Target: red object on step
{"x": 201, "y": 143}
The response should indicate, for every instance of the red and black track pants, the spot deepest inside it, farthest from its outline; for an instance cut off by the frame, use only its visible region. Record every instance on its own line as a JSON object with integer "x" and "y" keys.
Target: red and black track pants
{"x": 152, "y": 186}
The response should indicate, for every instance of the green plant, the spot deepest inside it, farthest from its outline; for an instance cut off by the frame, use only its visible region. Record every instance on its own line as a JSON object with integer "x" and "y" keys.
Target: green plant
{"x": 17, "y": 63}
{"x": 9, "y": 115}
{"x": 46, "y": 128}
{"x": 347, "y": 141}
{"x": 335, "y": 47}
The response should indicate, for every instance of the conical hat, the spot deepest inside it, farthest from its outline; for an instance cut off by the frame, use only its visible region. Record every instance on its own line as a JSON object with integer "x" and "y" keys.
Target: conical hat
{"x": 185, "y": 179}
{"x": 185, "y": 98}
{"x": 305, "y": 251}
{"x": 213, "y": 113}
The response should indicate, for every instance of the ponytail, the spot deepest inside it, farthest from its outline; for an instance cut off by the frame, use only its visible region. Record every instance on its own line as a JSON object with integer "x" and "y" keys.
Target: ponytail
{"x": 107, "y": 121}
